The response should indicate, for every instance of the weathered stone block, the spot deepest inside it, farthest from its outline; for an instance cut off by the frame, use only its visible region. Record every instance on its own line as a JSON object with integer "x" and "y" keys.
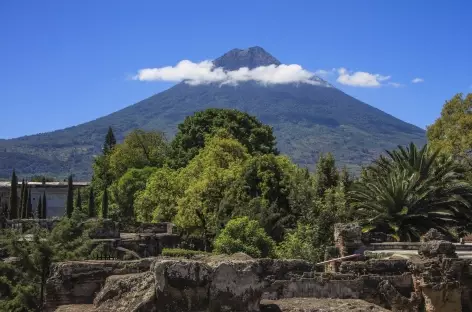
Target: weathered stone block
{"x": 435, "y": 248}
{"x": 77, "y": 282}
{"x": 433, "y": 235}
{"x": 347, "y": 238}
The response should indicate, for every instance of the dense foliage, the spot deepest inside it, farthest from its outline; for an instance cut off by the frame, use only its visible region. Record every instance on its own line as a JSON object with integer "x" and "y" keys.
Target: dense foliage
{"x": 223, "y": 184}
{"x": 244, "y": 235}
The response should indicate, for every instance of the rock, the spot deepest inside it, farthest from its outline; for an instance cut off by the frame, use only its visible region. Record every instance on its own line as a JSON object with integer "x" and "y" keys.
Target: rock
{"x": 236, "y": 286}
{"x": 439, "y": 282}
{"x": 347, "y": 237}
{"x": 319, "y": 305}
{"x": 437, "y": 248}
{"x": 433, "y": 235}
{"x": 77, "y": 282}
{"x": 130, "y": 293}
{"x": 398, "y": 302}
{"x": 382, "y": 267}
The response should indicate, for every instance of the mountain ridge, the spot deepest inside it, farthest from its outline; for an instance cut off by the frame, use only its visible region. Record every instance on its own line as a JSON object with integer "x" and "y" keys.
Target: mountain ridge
{"x": 307, "y": 120}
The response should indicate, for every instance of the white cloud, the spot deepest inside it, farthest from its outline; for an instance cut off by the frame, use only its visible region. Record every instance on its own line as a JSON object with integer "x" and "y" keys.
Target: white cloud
{"x": 324, "y": 72}
{"x": 417, "y": 80}
{"x": 360, "y": 79}
{"x": 205, "y": 73}
{"x": 395, "y": 84}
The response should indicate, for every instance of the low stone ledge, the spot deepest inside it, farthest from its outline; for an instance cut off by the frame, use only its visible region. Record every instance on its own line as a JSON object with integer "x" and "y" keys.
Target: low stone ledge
{"x": 381, "y": 267}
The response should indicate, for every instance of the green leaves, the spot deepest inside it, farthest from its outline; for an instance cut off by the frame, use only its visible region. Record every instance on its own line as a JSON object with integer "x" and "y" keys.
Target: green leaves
{"x": 192, "y": 133}
{"x": 410, "y": 191}
{"x": 244, "y": 235}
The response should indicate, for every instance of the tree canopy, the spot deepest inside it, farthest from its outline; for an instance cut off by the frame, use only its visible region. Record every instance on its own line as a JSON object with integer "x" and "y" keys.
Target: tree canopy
{"x": 191, "y": 135}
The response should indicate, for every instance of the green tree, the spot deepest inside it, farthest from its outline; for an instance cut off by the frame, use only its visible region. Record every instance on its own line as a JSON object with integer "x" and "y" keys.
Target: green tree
{"x": 44, "y": 206}
{"x": 78, "y": 200}
{"x": 29, "y": 206}
{"x": 39, "y": 208}
{"x": 191, "y": 134}
{"x": 244, "y": 235}
{"x": 110, "y": 141}
{"x": 273, "y": 190}
{"x": 326, "y": 174}
{"x": 159, "y": 199}
{"x": 105, "y": 204}
{"x": 13, "y": 196}
{"x": 206, "y": 180}
{"x": 451, "y": 131}
{"x": 23, "y": 200}
{"x": 140, "y": 149}
{"x": 410, "y": 191}
{"x": 70, "y": 197}
{"x": 300, "y": 244}
{"x": 124, "y": 191}
{"x": 91, "y": 204}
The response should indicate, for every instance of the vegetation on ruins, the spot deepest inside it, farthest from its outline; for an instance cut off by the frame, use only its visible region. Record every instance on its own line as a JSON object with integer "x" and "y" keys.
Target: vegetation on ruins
{"x": 412, "y": 190}
{"x": 223, "y": 184}
{"x": 244, "y": 235}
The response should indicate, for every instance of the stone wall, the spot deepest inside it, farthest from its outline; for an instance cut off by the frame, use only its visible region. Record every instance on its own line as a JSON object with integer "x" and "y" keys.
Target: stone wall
{"x": 77, "y": 282}
{"x": 378, "y": 267}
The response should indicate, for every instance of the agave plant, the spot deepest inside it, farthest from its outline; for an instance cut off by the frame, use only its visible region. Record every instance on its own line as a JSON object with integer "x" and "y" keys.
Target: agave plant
{"x": 410, "y": 191}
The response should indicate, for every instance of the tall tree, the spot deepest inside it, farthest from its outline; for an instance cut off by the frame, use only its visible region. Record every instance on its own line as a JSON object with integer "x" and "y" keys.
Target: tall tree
{"x": 248, "y": 130}
{"x": 44, "y": 206}
{"x": 140, "y": 149}
{"x": 29, "y": 206}
{"x": 23, "y": 200}
{"x": 451, "y": 131}
{"x": 105, "y": 204}
{"x": 70, "y": 197}
{"x": 39, "y": 208}
{"x": 110, "y": 141}
{"x": 78, "y": 201}
{"x": 91, "y": 204}
{"x": 326, "y": 174}
{"x": 14, "y": 196}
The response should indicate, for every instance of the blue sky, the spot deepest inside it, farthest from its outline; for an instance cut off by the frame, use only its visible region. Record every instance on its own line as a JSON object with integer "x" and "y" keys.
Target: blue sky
{"x": 68, "y": 62}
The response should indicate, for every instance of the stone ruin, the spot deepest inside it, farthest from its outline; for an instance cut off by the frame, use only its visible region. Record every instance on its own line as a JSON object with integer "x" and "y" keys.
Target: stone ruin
{"x": 435, "y": 281}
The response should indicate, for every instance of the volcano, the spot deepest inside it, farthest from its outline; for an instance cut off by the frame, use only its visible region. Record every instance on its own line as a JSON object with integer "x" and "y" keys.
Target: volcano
{"x": 308, "y": 119}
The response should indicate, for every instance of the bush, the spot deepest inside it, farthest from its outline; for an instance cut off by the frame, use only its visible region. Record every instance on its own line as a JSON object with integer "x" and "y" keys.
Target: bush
{"x": 177, "y": 252}
{"x": 300, "y": 244}
{"x": 244, "y": 235}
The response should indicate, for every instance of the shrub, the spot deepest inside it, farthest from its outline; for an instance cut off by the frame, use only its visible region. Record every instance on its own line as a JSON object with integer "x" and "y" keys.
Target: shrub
{"x": 244, "y": 235}
{"x": 300, "y": 244}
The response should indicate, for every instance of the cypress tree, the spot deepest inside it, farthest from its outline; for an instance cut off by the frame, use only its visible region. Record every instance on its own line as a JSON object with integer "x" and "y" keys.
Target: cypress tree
{"x": 110, "y": 141}
{"x": 78, "y": 201}
{"x": 39, "y": 208}
{"x": 44, "y": 206}
{"x": 70, "y": 197}
{"x": 14, "y": 196}
{"x": 105, "y": 204}
{"x": 22, "y": 200}
{"x": 29, "y": 207}
{"x": 91, "y": 204}
{"x": 24, "y": 208}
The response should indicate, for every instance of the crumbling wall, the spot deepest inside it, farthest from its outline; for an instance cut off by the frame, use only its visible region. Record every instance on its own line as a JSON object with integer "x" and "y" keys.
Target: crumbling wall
{"x": 347, "y": 238}
{"x": 77, "y": 282}
{"x": 380, "y": 267}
